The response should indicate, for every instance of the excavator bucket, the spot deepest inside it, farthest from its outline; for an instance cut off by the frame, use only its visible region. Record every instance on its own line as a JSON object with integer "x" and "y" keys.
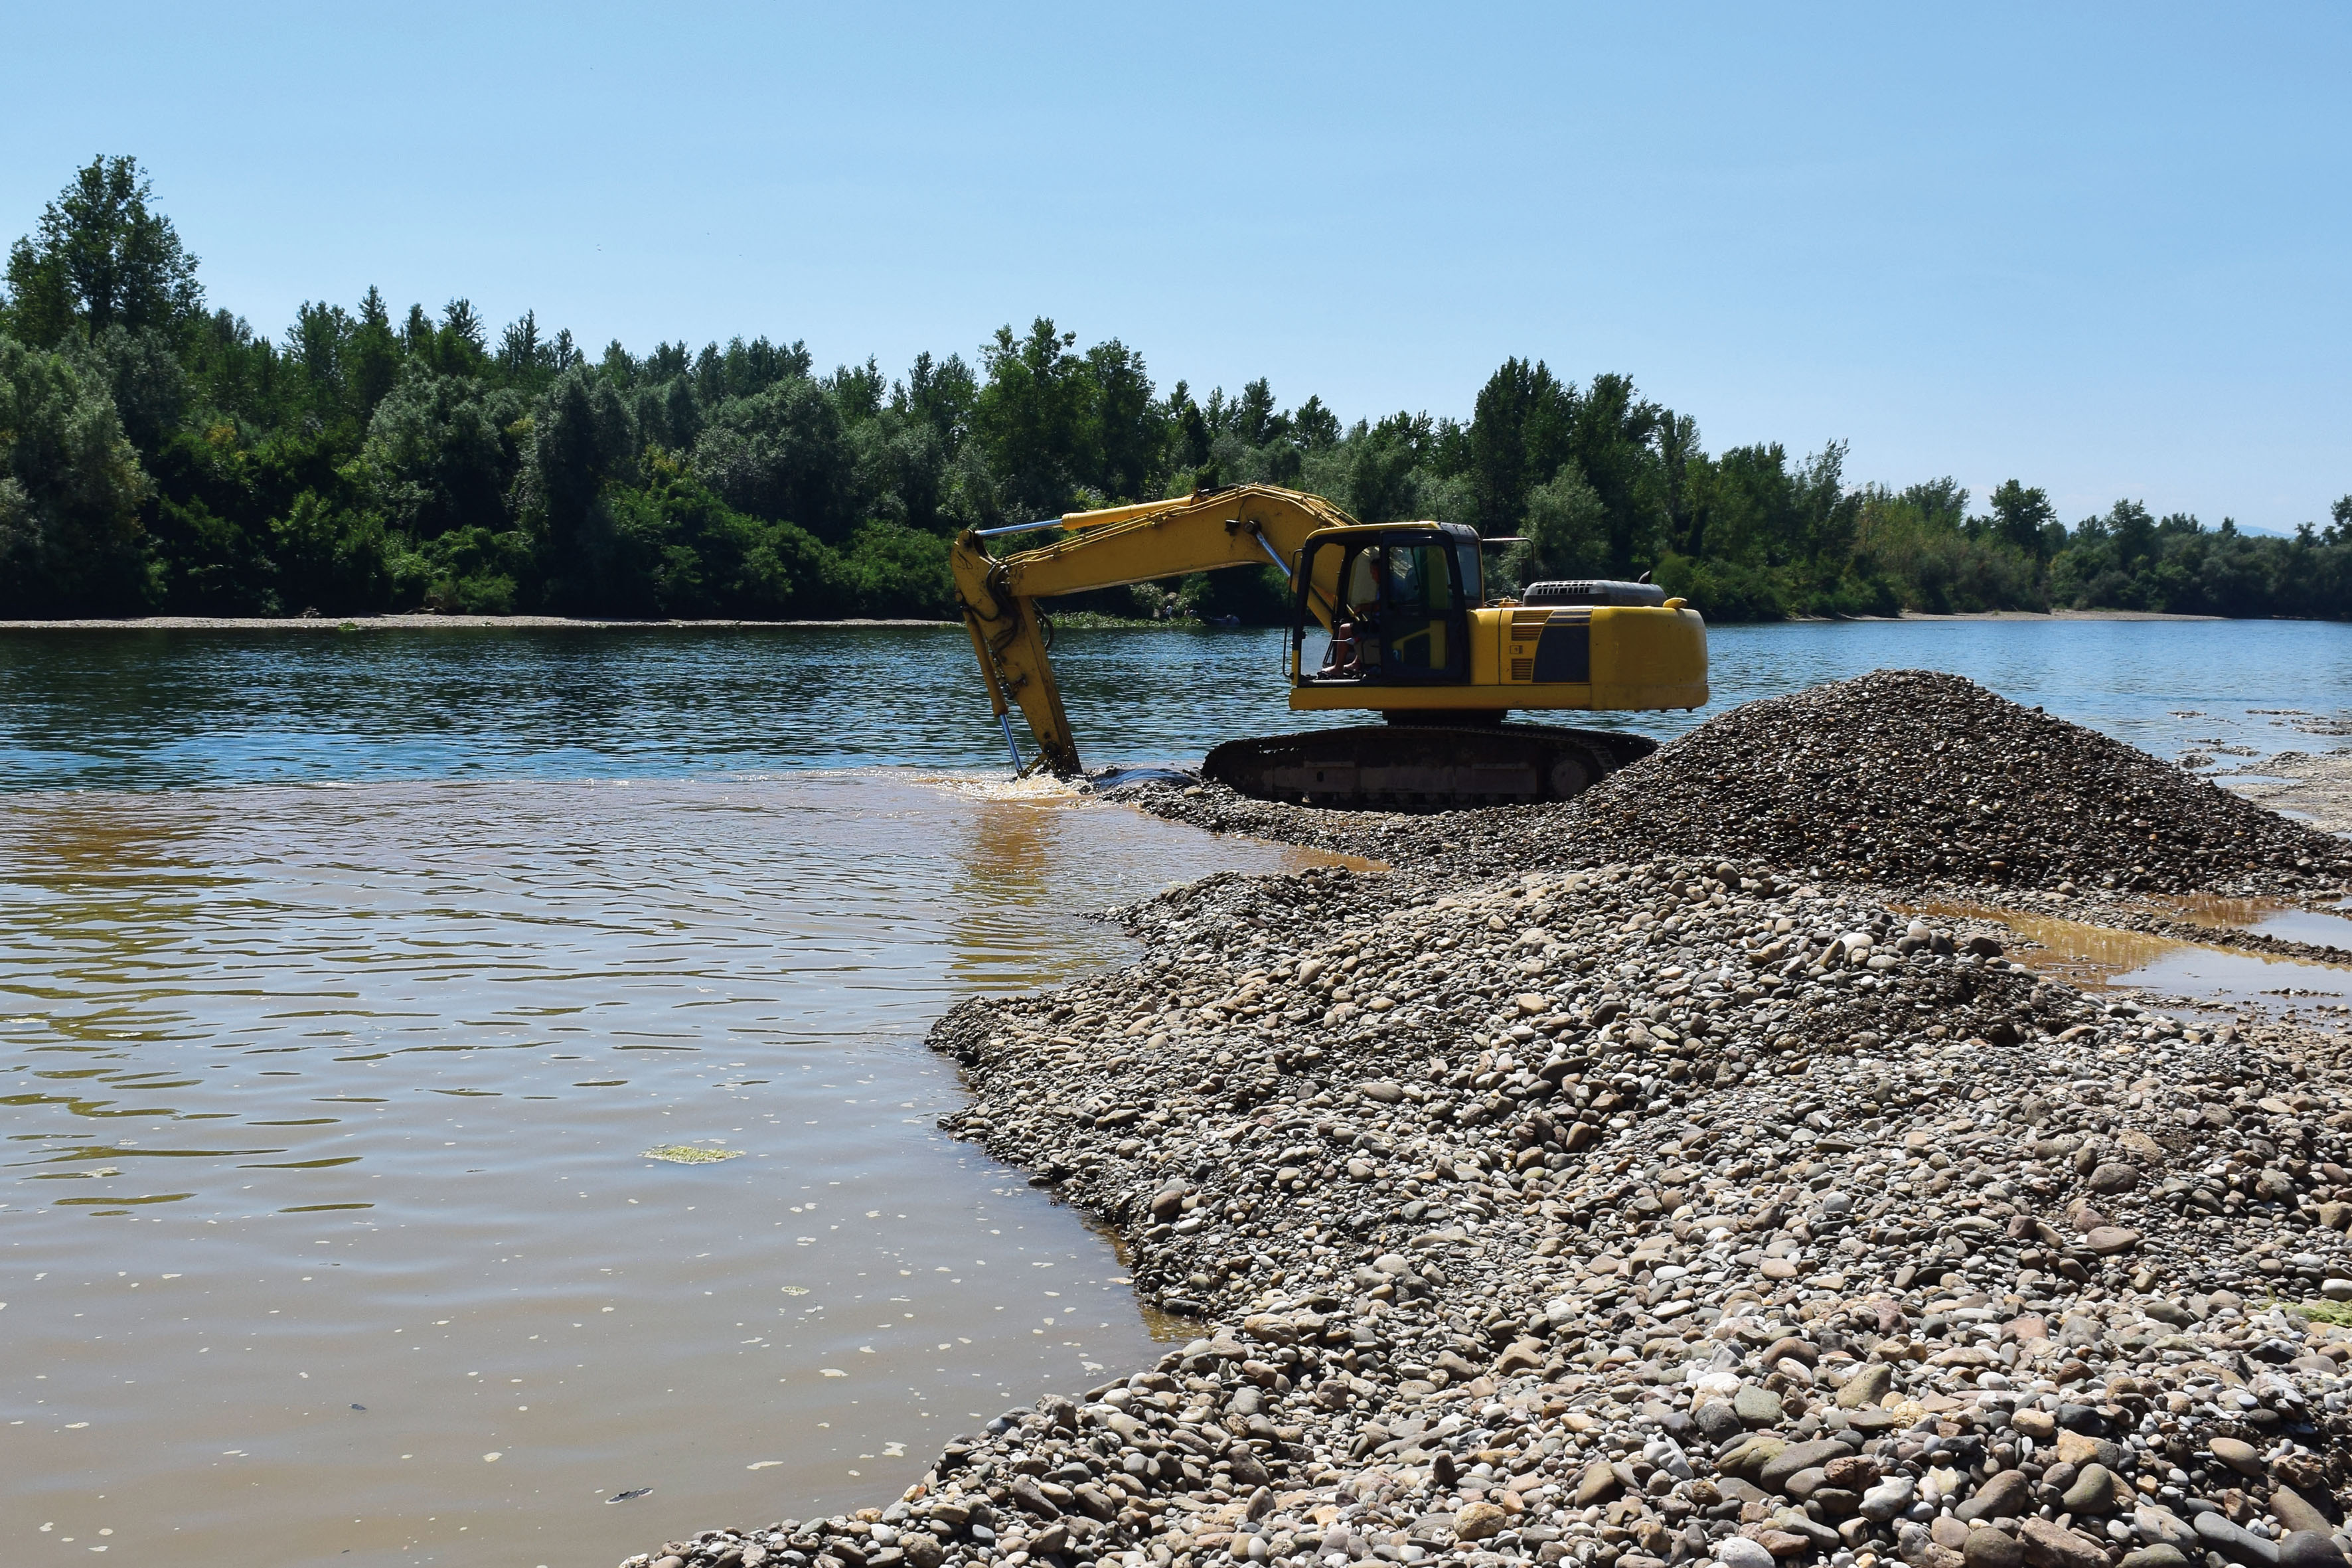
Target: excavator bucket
{"x": 1424, "y": 767}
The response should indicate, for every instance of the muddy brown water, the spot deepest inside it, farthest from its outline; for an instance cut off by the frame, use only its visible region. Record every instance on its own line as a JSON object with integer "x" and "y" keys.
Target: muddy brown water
{"x": 2104, "y": 958}
{"x": 326, "y": 1231}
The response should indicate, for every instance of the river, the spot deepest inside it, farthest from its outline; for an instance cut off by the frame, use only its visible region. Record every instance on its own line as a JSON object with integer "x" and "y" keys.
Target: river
{"x": 347, "y": 980}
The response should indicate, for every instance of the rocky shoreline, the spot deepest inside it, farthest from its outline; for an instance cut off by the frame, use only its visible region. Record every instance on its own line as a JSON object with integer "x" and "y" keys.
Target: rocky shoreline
{"x": 1561, "y": 1197}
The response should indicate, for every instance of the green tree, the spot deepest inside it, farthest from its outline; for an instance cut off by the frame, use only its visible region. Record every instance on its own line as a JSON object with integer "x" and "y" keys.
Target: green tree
{"x": 1126, "y": 441}
{"x": 206, "y": 527}
{"x": 680, "y": 550}
{"x": 315, "y": 344}
{"x": 141, "y": 370}
{"x": 1033, "y": 415}
{"x": 902, "y": 469}
{"x": 443, "y": 453}
{"x": 1379, "y": 474}
{"x": 70, "y": 489}
{"x": 2024, "y": 518}
{"x": 374, "y": 355}
{"x": 336, "y": 562}
{"x": 99, "y": 257}
{"x": 1520, "y": 432}
{"x": 582, "y": 438}
{"x": 782, "y": 455}
{"x": 456, "y": 347}
{"x": 1613, "y": 437}
{"x": 858, "y": 391}
{"x": 942, "y": 394}
{"x": 1254, "y": 418}
{"x": 1566, "y": 532}
{"x": 1314, "y": 425}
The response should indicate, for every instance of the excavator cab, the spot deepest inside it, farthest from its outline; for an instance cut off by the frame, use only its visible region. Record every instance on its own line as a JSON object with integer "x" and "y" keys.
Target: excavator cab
{"x": 1406, "y": 594}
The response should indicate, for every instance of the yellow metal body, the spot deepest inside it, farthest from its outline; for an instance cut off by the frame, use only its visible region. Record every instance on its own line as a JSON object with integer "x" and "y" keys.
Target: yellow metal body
{"x": 1639, "y": 657}
{"x": 1643, "y": 658}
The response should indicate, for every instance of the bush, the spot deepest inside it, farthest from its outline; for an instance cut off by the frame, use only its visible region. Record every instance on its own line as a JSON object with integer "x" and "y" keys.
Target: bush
{"x": 467, "y": 570}
{"x": 890, "y": 571}
{"x": 339, "y": 563}
{"x": 1723, "y": 590}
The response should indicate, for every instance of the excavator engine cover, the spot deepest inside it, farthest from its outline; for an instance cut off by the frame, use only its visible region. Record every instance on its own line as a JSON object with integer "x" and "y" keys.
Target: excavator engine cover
{"x": 1424, "y": 767}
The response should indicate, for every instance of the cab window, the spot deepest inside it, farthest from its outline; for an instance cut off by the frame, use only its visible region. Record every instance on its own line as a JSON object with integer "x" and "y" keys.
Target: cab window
{"x": 1417, "y": 608}
{"x": 1401, "y": 605}
{"x": 1474, "y": 572}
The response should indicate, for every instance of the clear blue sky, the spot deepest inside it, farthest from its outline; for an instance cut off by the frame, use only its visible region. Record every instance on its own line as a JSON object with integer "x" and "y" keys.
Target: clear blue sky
{"x": 2098, "y": 247}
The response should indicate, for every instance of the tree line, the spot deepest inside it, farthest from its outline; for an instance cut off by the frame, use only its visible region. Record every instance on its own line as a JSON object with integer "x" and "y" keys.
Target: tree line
{"x": 159, "y": 455}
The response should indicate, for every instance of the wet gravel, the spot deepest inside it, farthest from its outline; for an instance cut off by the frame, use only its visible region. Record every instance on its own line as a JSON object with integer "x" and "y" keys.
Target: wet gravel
{"x": 1668, "y": 1207}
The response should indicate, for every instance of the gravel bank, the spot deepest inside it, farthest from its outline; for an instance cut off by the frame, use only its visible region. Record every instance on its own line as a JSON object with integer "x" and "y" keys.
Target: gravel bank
{"x": 1663, "y": 1208}
{"x": 1902, "y": 778}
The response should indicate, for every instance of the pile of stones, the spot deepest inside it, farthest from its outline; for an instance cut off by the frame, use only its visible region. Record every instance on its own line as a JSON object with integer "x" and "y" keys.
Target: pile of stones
{"x": 1654, "y": 1212}
{"x": 1901, "y": 778}
{"x": 1908, "y": 775}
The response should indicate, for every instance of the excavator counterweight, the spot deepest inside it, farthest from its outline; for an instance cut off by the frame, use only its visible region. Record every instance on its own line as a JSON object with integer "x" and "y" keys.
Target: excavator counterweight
{"x": 1388, "y": 618}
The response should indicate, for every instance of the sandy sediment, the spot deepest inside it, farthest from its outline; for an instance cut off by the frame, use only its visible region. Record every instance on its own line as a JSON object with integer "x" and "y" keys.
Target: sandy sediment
{"x": 2317, "y": 787}
{"x": 1570, "y": 1193}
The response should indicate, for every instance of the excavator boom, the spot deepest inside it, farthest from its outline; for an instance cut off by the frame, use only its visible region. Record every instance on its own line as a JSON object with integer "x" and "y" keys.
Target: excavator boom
{"x": 1241, "y": 525}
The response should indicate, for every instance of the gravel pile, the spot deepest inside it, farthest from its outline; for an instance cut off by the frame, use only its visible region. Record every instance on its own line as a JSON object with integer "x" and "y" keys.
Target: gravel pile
{"x": 1650, "y": 1212}
{"x": 1906, "y": 776}
{"x": 1900, "y": 778}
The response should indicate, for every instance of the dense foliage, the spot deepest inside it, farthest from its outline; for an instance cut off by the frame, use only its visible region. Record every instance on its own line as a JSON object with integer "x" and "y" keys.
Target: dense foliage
{"x": 157, "y": 457}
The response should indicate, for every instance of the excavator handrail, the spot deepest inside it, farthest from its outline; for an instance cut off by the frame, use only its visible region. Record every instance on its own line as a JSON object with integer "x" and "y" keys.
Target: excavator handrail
{"x": 1207, "y": 531}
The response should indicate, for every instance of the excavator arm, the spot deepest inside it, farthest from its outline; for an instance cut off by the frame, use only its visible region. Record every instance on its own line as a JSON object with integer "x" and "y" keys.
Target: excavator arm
{"x": 1238, "y": 525}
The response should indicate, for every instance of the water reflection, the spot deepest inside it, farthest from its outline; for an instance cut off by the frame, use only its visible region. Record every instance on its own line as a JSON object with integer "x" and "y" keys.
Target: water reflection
{"x": 2101, "y": 958}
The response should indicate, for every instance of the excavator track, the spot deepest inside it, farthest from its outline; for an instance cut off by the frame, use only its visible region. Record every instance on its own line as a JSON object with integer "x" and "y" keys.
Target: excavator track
{"x": 1424, "y": 767}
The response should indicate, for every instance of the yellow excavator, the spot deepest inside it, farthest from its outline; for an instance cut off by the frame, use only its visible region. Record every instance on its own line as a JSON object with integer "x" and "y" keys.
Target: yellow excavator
{"x": 1391, "y": 618}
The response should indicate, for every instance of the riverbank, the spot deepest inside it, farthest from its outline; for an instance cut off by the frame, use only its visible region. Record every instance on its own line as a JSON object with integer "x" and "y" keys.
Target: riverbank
{"x": 1570, "y": 1193}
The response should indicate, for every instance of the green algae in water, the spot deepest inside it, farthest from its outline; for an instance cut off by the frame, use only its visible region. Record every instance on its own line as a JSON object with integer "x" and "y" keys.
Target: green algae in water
{"x": 688, "y": 1154}
{"x": 2339, "y": 1312}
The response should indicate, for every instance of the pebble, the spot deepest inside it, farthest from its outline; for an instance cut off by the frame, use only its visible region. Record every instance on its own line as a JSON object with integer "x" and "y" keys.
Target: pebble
{"x": 2235, "y": 1543}
{"x": 2045, "y": 1544}
{"x": 1656, "y": 1219}
{"x": 1889, "y": 1497}
{"x": 2295, "y": 1512}
{"x": 2240, "y": 1456}
{"x": 1992, "y": 1549}
{"x": 2309, "y": 1549}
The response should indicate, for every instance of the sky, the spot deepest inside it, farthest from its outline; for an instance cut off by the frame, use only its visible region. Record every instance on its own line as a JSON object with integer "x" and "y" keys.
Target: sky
{"x": 2101, "y": 248}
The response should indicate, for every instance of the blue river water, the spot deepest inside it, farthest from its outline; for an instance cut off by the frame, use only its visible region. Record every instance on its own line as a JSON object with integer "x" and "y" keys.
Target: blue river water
{"x": 165, "y": 709}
